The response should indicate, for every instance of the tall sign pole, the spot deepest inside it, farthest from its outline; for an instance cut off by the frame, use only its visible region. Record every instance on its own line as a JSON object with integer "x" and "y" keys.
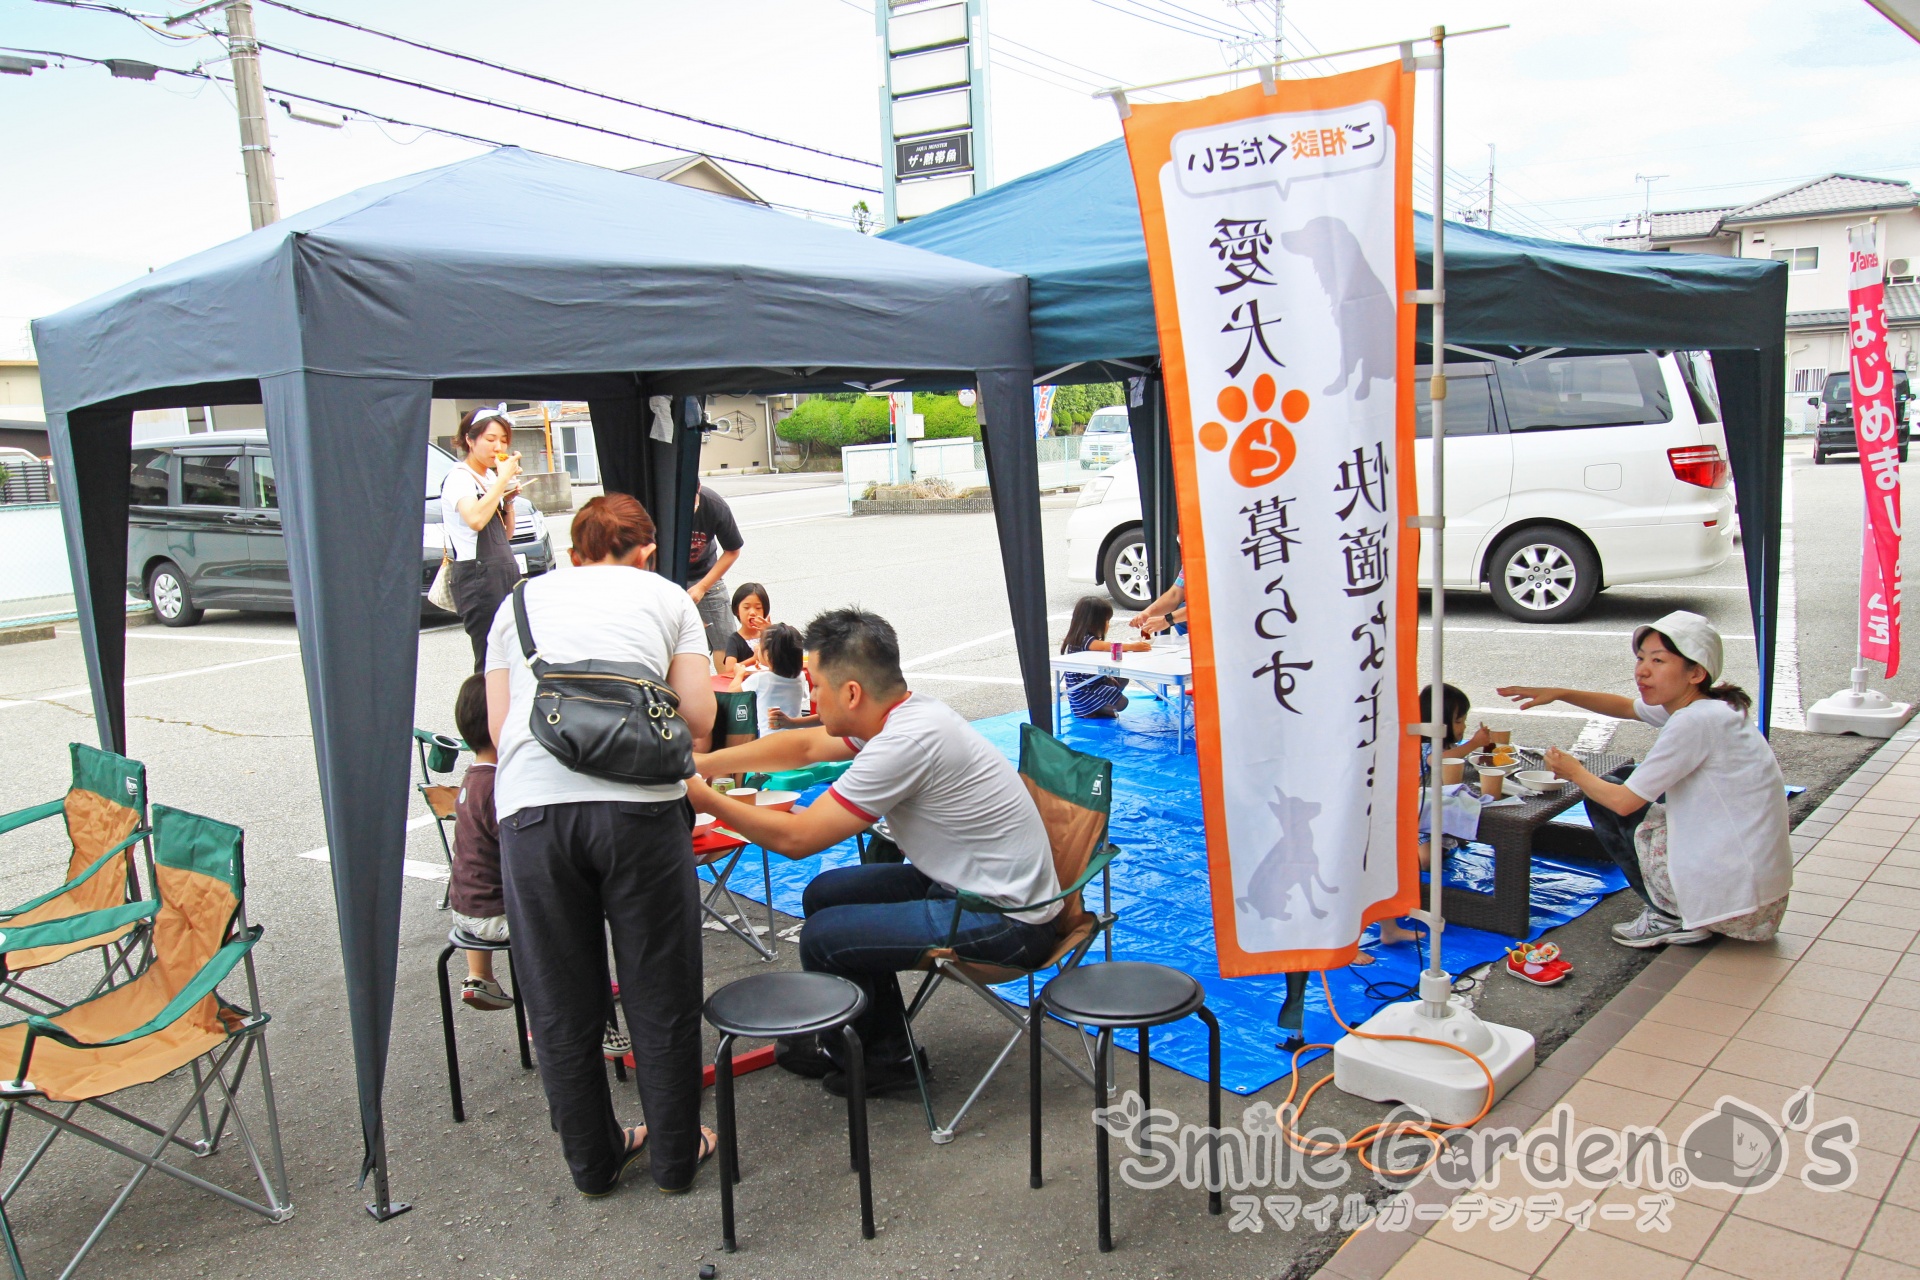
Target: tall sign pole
{"x": 934, "y": 104}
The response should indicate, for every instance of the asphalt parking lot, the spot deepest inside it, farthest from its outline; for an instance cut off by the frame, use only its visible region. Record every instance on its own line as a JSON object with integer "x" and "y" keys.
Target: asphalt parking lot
{"x": 218, "y": 714}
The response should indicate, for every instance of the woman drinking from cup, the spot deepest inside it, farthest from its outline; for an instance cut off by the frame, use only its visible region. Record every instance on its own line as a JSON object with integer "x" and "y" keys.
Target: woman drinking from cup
{"x": 1700, "y": 826}
{"x": 476, "y": 513}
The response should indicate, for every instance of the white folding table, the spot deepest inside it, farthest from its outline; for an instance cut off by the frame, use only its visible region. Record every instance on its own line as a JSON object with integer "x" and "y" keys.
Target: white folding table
{"x": 1165, "y": 669}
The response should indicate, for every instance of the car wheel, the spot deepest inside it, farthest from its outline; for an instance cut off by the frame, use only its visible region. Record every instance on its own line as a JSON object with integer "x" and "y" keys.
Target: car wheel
{"x": 172, "y": 601}
{"x": 1544, "y": 575}
{"x": 1819, "y": 458}
{"x": 1903, "y": 453}
{"x": 1125, "y": 570}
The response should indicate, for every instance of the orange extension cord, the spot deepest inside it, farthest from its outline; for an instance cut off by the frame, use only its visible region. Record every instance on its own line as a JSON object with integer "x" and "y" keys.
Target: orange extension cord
{"x": 1432, "y": 1131}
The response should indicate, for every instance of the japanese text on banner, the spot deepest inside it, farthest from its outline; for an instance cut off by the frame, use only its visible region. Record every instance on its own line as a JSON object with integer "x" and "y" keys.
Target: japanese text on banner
{"x": 1876, "y": 429}
{"x": 1279, "y": 240}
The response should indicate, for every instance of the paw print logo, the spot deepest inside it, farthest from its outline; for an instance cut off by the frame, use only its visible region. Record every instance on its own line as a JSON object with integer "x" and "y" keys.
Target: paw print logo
{"x": 1264, "y": 448}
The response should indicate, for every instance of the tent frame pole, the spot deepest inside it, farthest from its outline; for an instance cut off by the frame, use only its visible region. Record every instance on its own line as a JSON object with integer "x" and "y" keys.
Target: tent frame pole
{"x": 1435, "y": 986}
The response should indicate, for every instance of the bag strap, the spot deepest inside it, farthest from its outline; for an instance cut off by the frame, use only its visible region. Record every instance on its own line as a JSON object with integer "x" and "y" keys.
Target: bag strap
{"x": 527, "y": 648}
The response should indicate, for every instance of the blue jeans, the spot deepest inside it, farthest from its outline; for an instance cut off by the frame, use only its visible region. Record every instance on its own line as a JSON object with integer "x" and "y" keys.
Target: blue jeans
{"x": 867, "y": 923}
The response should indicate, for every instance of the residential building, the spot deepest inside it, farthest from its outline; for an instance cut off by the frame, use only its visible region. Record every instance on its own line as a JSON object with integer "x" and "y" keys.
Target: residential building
{"x": 1805, "y": 226}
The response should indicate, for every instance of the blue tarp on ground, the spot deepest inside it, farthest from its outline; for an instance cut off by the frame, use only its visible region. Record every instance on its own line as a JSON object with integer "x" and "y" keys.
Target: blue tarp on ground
{"x": 1157, "y": 825}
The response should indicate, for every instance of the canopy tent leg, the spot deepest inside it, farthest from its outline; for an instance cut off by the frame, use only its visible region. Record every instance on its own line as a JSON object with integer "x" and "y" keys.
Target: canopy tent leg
{"x": 676, "y": 480}
{"x": 1753, "y": 397}
{"x": 92, "y": 450}
{"x": 1013, "y": 474}
{"x": 620, "y": 441}
{"x": 351, "y": 457}
{"x": 1153, "y": 462}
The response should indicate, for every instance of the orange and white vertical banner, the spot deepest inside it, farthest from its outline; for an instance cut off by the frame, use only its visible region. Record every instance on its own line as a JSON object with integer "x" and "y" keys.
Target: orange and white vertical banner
{"x": 1279, "y": 228}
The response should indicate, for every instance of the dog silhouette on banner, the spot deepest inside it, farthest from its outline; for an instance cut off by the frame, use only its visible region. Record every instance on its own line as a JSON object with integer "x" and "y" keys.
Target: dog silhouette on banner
{"x": 1363, "y": 309}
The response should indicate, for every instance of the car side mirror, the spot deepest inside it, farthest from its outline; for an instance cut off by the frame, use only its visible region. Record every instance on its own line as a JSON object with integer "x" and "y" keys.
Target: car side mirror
{"x": 1813, "y": 400}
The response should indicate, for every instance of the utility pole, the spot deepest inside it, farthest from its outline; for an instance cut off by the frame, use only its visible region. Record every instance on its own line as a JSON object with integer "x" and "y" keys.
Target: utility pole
{"x": 1646, "y": 180}
{"x": 1489, "y": 186}
{"x": 256, "y": 149}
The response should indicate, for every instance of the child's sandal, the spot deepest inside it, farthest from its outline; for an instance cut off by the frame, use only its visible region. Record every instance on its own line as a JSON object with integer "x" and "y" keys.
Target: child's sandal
{"x": 1538, "y": 963}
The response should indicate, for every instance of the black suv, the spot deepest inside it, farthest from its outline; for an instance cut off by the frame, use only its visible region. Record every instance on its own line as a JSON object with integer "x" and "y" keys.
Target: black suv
{"x": 1836, "y": 416}
{"x": 203, "y": 527}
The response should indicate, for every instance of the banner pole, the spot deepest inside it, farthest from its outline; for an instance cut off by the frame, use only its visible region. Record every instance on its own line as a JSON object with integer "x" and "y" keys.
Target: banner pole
{"x": 1434, "y": 984}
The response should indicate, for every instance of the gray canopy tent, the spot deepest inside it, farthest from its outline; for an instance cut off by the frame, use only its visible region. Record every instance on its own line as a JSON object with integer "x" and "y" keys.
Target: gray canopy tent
{"x": 1073, "y": 229}
{"x": 509, "y": 275}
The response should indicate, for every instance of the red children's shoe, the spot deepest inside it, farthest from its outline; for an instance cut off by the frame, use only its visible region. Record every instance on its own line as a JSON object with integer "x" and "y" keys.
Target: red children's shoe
{"x": 1538, "y": 963}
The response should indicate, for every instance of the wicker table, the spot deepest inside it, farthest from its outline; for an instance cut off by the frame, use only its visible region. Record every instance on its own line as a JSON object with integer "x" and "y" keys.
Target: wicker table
{"x": 1511, "y": 831}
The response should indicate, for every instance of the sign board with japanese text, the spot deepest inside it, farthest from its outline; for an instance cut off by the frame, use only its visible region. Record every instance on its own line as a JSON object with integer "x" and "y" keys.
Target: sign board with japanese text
{"x": 943, "y": 153}
{"x": 1876, "y": 429}
{"x": 1279, "y": 229}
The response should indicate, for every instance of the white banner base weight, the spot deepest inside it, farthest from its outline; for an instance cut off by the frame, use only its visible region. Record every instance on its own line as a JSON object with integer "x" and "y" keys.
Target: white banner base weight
{"x": 1861, "y": 710}
{"x": 1440, "y": 1081}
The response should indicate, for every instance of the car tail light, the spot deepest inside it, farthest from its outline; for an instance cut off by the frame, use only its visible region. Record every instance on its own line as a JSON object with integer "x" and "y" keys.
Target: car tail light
{"x": 1700, "y": 464}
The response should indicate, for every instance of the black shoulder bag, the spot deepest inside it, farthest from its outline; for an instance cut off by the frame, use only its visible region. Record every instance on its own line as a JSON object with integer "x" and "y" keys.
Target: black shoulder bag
{"x": 612, "y": 720}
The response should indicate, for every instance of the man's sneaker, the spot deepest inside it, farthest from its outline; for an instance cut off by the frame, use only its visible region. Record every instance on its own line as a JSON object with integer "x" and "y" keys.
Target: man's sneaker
{"x": 484, "y": 993}
{"x": 882, "y": 1077}
{"x": 614, "y": 1043}
{"x": 1653, "y": 928}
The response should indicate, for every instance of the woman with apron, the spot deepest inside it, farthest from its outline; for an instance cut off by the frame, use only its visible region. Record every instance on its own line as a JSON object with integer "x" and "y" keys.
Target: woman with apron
{"x": 476, "y": 513}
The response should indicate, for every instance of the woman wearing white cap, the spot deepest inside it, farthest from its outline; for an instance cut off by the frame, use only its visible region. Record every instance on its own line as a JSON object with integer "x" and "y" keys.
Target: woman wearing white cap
{"x": 1700, "y": 826}
{"x": 476, "y": 516}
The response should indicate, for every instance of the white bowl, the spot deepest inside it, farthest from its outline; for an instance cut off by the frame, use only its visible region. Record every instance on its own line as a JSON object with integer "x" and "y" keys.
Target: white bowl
{"x": 777, "y": 800}
{"x": 1537, "y": 779}
{"x": 701, "y": 821}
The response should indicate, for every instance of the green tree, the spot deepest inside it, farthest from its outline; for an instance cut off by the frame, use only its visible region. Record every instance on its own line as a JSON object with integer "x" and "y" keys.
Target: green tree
{"x": 1072, "y": 406}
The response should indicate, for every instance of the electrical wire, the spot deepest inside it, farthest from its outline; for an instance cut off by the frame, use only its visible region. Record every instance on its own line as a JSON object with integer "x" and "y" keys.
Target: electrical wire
{"x": 372, "y": 117}
{"x": 537, "y": 78}
{"x": 477, "y": 100}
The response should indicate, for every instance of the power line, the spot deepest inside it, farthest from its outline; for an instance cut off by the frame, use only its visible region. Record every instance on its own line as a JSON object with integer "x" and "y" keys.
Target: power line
{"x": 361, "y": 113}
{"x": 498, "y": 105}
{"x": 560, "y": 84}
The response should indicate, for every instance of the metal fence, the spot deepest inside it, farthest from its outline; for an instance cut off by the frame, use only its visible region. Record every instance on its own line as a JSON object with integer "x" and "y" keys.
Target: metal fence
{"x": 960, "y": 462}
{"x": 26, "y": 482}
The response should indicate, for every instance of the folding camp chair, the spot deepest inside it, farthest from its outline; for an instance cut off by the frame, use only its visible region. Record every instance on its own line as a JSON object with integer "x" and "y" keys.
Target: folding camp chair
{"x": 105, "y": 810}
{"x": 438, "y": 753}
{"x": 1073, "y": 792}
{"x": 167, "y": 1017}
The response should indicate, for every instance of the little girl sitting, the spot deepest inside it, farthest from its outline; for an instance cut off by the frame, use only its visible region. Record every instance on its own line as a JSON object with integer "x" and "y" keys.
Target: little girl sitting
{"x": 778, "y": 688}
{"x": 750, "y": 610}
{"x": 1459, "y": 812}
{"x": 1094, "y": 697}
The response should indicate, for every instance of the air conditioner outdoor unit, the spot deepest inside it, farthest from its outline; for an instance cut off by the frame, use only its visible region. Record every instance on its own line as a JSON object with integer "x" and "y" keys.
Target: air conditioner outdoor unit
{"x": 1900, "y": 271}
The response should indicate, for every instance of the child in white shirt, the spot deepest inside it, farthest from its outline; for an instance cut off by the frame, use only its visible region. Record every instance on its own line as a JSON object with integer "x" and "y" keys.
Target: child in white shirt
{"x": 777, "y": 685}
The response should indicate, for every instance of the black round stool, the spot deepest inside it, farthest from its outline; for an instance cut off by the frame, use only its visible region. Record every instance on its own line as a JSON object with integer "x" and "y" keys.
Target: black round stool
{"x": 460, "y": 940}
{"x": 1124, "y": 993}
{"x": 769, "y": 1006}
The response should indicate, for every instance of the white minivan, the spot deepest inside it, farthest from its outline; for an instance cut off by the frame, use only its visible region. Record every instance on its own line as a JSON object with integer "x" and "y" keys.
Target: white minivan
{"x": 1565, "y": 474}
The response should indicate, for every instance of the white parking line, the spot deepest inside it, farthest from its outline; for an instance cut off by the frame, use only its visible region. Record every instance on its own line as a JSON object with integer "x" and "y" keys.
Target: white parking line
{"x": 143, "y": 635}
{"x": 934, "y": 675}
{"x": 1545, "y": 632}
{"x": 82, "y": 691}
{"x": 412, "y": 866}
{"x": 969, "y": 644}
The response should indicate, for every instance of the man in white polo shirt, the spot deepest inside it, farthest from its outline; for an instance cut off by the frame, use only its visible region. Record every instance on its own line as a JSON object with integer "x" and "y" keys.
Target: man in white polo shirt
{"x": 956, "y": 808}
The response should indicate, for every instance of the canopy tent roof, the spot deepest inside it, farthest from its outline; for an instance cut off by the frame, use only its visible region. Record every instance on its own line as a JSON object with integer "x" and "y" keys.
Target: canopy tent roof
{"x": 510, "y": 274}
{"x": 1074, "y": 231}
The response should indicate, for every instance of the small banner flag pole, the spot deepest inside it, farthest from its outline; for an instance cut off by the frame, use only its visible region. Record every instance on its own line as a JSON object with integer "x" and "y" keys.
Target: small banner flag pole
{"x": 1858, "y": 709}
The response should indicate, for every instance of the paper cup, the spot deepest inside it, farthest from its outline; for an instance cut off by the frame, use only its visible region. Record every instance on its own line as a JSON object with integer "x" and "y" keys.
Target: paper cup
{"x": 1500, "y": 737}
{"x": 1493, "y": 783}
{"x": 1452, "y": 771}
{"x": 746, "y": 795}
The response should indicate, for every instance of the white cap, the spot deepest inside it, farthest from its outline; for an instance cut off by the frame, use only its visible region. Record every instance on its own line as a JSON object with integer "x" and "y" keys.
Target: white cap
{"x": 1693, "y": 639}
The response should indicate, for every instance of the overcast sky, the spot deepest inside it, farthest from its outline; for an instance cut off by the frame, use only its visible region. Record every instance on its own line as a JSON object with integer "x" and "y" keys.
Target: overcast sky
{"x": 111, "y": 177}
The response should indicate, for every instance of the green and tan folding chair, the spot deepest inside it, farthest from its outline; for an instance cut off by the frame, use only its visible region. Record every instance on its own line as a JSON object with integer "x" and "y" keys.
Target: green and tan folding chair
{"x": 1074, "y": 793}
{"x": 168, "y": 1017}
{"x": 439, "y": 753}
{"x": 105, "y": 810}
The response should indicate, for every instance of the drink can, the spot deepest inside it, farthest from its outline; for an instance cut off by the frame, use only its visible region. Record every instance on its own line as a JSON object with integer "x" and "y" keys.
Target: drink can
{"x": 1116, "y": 651}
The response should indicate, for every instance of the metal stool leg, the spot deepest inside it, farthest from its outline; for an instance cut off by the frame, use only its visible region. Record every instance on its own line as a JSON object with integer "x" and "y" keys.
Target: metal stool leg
{"x": 1103, "y": 1055}
{"x": 446, "y": 1030}
{"x": 729, "y": 1153}
{"x": 1213, "y": 1107}
{"x": 519, "y": 1013}
{"x": 1146, "y": 1084}
{"x": 1036, "y": 1021}
{"x": 857, "y": 1124}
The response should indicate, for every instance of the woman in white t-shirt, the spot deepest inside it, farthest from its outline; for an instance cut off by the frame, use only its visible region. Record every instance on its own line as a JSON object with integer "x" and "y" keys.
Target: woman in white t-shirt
{"x": 476, "y": 517}
{"x": 1700, "y": 825}
{"x": 584, "y": 858}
